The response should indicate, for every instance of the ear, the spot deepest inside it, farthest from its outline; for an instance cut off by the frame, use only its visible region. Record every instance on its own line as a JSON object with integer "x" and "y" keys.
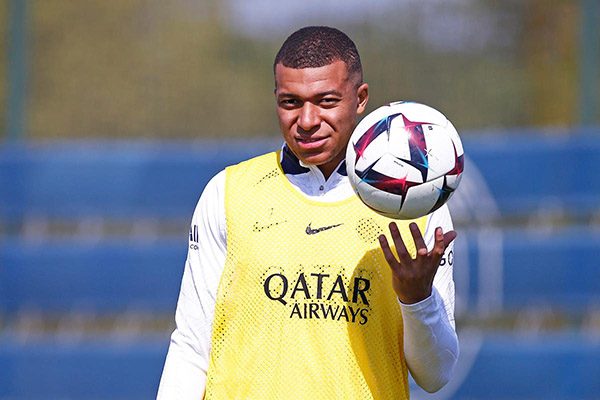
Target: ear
{"x": 362, "y": 93}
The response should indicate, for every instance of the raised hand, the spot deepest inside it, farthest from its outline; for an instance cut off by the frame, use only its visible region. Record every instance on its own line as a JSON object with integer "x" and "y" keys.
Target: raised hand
{"x": 412, "y": 278}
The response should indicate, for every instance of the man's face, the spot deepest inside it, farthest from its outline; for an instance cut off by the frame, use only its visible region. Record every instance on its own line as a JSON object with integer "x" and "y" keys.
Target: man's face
{"x": 317, "y": 110}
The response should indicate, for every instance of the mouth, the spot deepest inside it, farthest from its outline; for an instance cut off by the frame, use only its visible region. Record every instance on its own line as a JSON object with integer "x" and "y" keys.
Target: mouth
{"x": 310, "y": 143}
{"x": 309, "y": 139}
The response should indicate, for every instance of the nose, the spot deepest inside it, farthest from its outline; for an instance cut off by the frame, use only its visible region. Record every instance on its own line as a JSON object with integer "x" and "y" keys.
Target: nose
{"x": 309, "y": 117}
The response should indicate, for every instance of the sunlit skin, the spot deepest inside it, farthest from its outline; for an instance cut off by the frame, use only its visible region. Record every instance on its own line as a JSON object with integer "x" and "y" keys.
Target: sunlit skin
{"x": 412, "y": 278}
{"x": 317, "y": 110}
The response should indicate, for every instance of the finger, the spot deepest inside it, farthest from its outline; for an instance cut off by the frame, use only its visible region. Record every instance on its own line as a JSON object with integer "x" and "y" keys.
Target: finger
{"x": 437, "y": 253}
{"x": 418, "y": 238}
{"x": 439, "y": 245}
{"x": 449, "y": 237}
{"x": 387, "y": 252}
{"x": 403, "y": 253}
{"x": 442, "y": 241}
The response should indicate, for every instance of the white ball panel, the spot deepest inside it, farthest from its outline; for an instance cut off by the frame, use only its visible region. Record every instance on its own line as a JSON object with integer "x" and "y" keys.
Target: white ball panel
{"x": 441, "y": 139}
{"x": 390, "y": 166}
{"x": 420, "y": 199}
{"x": 417, "y": 112}
{"x": 350, "y": 157}
{"x": 398, "y": 141}
{"x": 414, "y": 175}
{"x": 440, "y": 151}
{"x": 452, "y": 181}
{"x": 368, "y": 121}
{"x": 379, "y": 200}
{"x": 374, "y": 151}
{"x": 451, "y": 131}
{"x": 354, "y": 180}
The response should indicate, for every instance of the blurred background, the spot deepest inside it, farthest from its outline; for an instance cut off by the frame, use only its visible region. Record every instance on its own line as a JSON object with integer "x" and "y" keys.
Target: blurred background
{"x": 114, "y": 114}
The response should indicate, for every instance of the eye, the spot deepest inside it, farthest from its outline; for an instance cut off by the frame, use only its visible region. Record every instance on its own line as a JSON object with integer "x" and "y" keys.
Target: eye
{"x": 329, "y": 101}
{"x": 289, "y": 103}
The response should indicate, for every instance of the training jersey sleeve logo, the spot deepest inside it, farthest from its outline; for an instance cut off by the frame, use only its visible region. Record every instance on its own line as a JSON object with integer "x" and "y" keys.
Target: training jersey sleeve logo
{"x": 312, "y": 231}
{"x": 194, "y": 237}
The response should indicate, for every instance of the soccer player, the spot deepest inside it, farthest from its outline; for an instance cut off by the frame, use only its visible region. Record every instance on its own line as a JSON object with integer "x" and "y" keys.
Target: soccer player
{"x": 291, "y": 289}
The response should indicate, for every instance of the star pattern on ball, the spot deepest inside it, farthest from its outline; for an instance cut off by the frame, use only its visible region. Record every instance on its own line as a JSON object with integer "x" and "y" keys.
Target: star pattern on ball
{"x": 386, "y": 183}
{"x": 412, "y": 173}
{"x": 459, "y": 163}
{"x": 417, "y": 146}
{"x": 383, "y": 125}
{"x": 444, "y": 194}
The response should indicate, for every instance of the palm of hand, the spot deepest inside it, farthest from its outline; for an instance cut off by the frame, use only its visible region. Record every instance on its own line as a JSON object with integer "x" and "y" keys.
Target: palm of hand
{"x": 412, "y": 278}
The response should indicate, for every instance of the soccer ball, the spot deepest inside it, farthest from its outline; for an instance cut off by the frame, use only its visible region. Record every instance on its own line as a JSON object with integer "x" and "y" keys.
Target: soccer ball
{"x": 404, "y": 160}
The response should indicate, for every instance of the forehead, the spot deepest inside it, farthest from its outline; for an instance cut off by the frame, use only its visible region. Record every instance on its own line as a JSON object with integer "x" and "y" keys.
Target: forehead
{"x": 308, "y": 81}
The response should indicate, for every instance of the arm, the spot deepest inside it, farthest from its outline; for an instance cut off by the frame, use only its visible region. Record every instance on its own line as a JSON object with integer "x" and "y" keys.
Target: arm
{"x": 184, "y": 373}
{"x": 430, "y": 341}
{"x": 426, "y": 295}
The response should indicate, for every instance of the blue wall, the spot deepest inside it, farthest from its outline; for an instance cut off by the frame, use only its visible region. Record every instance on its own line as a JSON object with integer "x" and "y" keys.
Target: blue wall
{"x": 68, "y": 180}
{"x": 556, "y": 367}
{"x": 128, "y": 181}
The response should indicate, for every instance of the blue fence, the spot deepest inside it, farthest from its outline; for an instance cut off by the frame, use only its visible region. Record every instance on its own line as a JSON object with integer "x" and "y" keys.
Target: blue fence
{"x": 525, "y": 173}
{"x": 163, "y": 181}
{"x": 90, "y": 369}
{"x": 558, "y": 269}
{"x": 77, "y": 276}
{"x": 111, "y": 180}
{"x": 556, "y": 367}
{"x": 539, "y": 269}
{"x": 528, "y": 171}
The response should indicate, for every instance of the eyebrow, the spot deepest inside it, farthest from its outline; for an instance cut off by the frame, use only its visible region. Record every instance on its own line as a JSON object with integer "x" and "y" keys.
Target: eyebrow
{"x": 321, "y": 94}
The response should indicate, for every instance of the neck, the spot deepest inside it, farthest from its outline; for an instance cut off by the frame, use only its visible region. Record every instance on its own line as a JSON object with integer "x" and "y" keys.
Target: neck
{"x": 327, "y": 170}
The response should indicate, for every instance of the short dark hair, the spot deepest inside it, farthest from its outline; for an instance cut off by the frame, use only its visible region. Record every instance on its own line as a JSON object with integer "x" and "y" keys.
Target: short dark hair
{"x": 318, "y": 46}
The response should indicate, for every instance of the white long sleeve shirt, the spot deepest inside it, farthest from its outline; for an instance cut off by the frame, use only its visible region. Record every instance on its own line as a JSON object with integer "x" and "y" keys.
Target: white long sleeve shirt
{"x": 430, "y": 341}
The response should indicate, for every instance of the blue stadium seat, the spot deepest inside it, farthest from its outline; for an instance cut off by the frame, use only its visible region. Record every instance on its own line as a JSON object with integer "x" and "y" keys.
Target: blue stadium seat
{"x": 111, "y": 276}
{"x": 527, "y": 172}
{"x": 559, "y": 269}
{"x": 495, "y": 366}
{"x": 163, "y": 180}
{"x": 111, "y": 180}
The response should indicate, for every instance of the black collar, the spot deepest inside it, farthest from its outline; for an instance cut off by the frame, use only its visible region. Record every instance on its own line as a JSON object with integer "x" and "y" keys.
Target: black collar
{"x": 291, "y": 164}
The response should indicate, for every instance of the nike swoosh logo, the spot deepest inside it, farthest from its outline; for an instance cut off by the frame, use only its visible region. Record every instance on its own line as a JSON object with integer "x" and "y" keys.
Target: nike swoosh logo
{"x": 311, "y": 231}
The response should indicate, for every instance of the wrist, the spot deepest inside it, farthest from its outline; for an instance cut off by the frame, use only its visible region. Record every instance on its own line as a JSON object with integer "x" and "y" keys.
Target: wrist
{"x": 413, "y": 299}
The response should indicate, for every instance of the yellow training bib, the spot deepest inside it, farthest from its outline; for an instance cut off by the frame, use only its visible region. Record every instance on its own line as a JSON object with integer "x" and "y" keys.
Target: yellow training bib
{"x": 305, "y": 307}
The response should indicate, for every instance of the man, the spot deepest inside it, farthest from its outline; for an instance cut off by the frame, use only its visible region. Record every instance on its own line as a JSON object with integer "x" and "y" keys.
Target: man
{"x": 290, "y": 289}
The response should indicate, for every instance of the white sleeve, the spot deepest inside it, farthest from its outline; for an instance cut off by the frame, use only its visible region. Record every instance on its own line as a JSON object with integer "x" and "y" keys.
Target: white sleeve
{"x": 184, "y": 373}
{"x": 430, "y": 341}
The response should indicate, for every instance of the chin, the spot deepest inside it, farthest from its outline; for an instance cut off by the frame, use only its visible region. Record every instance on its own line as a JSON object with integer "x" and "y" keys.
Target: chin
{"x": 313, "y": 160}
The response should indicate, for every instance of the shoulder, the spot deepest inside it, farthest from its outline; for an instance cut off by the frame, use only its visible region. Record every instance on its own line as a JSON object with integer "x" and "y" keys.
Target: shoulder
{"x": 263, "y": 159}
{"x": 252, "y": 171}
{"x": 215, "y": 187}
{"x": 211, "y": 198}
